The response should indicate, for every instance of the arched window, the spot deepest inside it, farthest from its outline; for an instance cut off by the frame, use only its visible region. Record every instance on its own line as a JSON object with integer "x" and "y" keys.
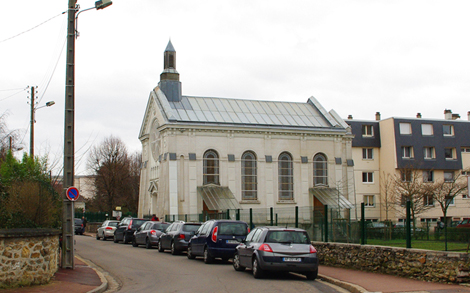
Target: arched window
{"x": 320, "y": 170}
{"x": 249, "y": 177}
{"x": 286, "y": 177}
{"x": 211, "y": 167}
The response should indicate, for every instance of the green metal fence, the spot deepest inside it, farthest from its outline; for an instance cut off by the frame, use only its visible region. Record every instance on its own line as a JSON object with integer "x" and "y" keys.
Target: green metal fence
{"x": 341, "y": 225}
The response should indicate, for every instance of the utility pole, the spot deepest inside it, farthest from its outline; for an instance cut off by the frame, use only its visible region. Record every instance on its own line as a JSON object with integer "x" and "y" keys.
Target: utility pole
{"x": 31, "y": 134}
{"x": 67, "y": 223}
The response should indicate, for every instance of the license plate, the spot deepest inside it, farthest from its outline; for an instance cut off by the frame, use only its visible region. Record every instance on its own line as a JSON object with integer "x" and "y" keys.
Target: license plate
{"x": 232, "y": 242}
{"x": 292, "y": 259}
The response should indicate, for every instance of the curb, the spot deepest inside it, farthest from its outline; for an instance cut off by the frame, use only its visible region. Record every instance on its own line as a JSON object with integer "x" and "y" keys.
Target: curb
{"x": 104, "y": 282}
{"x": 353, "y": 288}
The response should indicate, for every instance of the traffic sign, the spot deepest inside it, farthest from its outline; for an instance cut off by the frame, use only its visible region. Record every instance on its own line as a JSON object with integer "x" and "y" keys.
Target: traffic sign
{"x": 72, "y": 193}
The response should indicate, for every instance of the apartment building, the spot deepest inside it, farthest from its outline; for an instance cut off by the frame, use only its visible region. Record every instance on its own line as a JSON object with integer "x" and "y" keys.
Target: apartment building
{"x": 435, "y": 148}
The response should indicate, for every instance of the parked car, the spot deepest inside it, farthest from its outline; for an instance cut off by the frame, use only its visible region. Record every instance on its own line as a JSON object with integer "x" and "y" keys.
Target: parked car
{"x": 126, "y": 228}
{"x": 176, "y": 237}
{"x": 277, "y": 249}
{"x": 106, "y": 230}
{"x": 78, "y": 225}
{"x": 465, "y": 223}
{"x": 149, "y": 233}
{"x": 217, "y": 239}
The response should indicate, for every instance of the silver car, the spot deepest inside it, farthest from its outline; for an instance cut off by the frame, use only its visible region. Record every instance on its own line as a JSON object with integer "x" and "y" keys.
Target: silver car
{"x": 277, "y": 249}
{"x": 106, "y": 230}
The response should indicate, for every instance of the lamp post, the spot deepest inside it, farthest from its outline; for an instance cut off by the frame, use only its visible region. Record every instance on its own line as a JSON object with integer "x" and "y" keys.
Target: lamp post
{"x": 33, "y": 120}
{"x": 69, "y": 132}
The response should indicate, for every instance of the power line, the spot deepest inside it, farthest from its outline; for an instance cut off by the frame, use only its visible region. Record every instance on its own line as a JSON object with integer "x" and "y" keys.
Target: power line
{"x": 22, "y": 90}
{"x": 31, "y": 28}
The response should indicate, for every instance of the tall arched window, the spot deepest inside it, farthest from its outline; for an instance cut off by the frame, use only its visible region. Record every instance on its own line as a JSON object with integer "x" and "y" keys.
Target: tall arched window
{"x": 320, "y": 170}
{"x": 286, "y": 177}
{"x": 249, "y": 177}
{"x": 211, "y": 167}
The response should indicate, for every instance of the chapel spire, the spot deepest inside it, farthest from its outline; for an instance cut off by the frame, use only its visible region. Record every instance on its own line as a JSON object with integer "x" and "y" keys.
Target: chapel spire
{"x": 169, "y": 78}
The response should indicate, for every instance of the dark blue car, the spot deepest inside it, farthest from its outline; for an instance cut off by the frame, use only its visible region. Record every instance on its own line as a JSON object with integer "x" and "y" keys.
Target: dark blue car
{"x": 217, "y": 239}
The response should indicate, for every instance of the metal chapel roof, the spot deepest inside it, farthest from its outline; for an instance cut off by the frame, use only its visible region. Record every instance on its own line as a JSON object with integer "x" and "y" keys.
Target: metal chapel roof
{"x": 237, "y": 111}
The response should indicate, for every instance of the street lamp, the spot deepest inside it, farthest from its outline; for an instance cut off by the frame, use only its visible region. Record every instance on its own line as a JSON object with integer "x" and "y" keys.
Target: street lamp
{"x": 33, "y": 120}
{"x": 69, "y": 131}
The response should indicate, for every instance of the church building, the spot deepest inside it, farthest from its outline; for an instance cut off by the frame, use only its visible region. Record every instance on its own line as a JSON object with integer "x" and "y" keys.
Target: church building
{"x": 207, "y": 155}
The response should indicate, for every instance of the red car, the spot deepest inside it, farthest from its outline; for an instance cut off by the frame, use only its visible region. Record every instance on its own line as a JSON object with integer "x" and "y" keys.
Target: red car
{"x": 464, "y": 224}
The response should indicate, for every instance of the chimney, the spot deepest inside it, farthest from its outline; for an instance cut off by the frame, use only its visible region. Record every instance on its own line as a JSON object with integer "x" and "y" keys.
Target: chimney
{"x": 447, "y": 114}
{"x": 377, "y": 116}
{"x": 418, "y": 115}
{"x": 455, "y": 116}
{"x": 350, "y": 116}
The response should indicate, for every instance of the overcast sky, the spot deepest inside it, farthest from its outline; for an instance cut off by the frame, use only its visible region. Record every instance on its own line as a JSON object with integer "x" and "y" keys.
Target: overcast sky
{"x": 356, "y": 57}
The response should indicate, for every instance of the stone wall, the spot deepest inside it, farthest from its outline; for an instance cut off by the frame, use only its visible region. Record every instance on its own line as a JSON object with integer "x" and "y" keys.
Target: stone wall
{"x": 28, "y": 256}
{"x": 428, "y": 265}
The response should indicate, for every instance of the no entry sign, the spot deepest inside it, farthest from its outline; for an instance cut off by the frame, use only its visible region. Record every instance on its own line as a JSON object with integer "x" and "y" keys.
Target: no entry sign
{"x": 72, "y": 193}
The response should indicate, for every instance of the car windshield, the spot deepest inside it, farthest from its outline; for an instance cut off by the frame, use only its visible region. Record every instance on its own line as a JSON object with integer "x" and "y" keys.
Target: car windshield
{"x": 286, "y": 236}
{"x": 191, "y": 227}
{"x": 237, "y": 229}
{"x": 113, "y": 224}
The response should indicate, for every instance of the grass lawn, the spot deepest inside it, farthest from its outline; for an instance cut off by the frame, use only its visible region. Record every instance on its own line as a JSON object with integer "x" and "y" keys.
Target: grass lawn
{"x": 422, "y": 244}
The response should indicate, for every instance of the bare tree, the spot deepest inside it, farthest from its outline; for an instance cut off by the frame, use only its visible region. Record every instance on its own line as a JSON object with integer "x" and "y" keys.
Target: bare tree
{"x": 388, "y": 196}
{"x": 444, "y": 191}
{"x": 117, "y": 181}
{"x": 8, "y": 138}
{"x": 408, "y": 186}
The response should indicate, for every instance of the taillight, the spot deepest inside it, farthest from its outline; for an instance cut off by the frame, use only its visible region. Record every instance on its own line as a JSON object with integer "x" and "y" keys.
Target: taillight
{"x": 214, "y": 234}
{"x": 109, "y": 228}
{"x": 153, "y": 232}
{"x": 312, "y": 249}
{"x": 130, "y": 225}
{"x": 265, "y": 247}
{"x": 181, "y": 236}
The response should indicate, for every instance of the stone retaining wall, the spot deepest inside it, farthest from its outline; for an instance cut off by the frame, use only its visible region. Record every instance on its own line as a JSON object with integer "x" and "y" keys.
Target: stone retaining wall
{"x": 428, "y": 265}
{"x": 28, "y": 256}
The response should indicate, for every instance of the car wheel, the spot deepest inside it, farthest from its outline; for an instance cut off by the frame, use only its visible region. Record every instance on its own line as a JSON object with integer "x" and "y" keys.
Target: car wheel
{"x": 207, "y": 258}
{"x": 174, "y": 251}
{"x": 104, "y": 238}
{"x": 97, "y": 236}
{"x": 160, "y": 247}
{"x": 257, "y": 271}
{"x": 236, "y": 263}
{"x": 148, "y": 245}
{"x": 311, "y": 275}
{"x": 190, "y": 253}
{"x": 134, "y": 244}
{"x": 124, "y": 239}
{"x": 115, "y": 239}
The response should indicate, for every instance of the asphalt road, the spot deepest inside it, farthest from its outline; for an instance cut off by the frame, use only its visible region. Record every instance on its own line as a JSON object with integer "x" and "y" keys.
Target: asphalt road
{"x": 144, "y": 270}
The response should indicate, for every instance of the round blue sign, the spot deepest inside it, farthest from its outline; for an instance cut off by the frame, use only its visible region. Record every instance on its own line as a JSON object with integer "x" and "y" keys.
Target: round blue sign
{"x": 72, "y": 193}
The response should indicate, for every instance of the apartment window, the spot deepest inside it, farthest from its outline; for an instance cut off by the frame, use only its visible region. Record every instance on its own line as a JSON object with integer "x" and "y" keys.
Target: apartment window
{"x": 286, "y": 177}
{"x": 367, "y": 177}
{"x": 320, "y": 170}
{"x": 369, "y": 201}
{"x": 405, "y": 128}
{"x": 448, "y": 176}
{"x": 427, "y": 130}
{"x": 249, "y": 176}
{"x": 429, "y": 153}
{"x": 465, "y": 149}
{"x": 211, "y": 167}
{"x": 428, "y": 200}
{"x": 448, "y": 129}
{"x": 367, "y": 154}
{"x": 367, "y": 130}
{"x": 428, "y": 176}
{"x": 406, "y": 175}
{"x": 407, "y": 152}
{"x": 449, "y": 153}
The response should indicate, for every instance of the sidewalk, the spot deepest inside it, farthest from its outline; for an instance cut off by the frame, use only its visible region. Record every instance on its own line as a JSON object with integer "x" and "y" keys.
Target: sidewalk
{"x": 87, "y": 278}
